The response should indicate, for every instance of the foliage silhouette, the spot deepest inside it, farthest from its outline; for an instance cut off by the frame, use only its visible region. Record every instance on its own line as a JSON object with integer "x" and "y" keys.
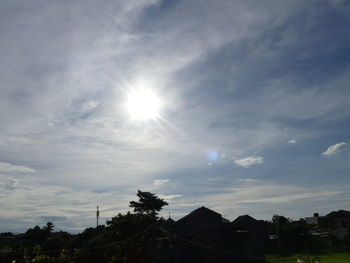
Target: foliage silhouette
{"x": 136, "y": 237}
{"x": 148, "y": 204}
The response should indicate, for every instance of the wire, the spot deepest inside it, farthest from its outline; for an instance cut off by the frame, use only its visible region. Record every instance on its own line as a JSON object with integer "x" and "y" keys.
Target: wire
{"x": 104, "y": 245}
{"x": 120, "y": 242}
{"x": 141, "y": 233}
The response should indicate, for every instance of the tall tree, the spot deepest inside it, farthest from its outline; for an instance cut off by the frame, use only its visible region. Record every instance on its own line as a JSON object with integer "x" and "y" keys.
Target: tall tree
{"x": 49, "y": 227}
{"x": 148, "y": 204}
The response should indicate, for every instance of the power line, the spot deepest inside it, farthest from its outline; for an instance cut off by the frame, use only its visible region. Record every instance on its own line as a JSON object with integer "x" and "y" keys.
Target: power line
{"x": 139, "y": 234}
{"x": 97, "y": 216}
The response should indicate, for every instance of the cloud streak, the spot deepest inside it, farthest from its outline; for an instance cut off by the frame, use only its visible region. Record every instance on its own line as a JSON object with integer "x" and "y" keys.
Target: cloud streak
{"x": 8, "y": 182}
{"x": 10, "y": 168}
{"x": 234, "y": 77}
{"x": 249, "y": 161}
{"x": 169, "y": 197}
{"x": 335, "y": 148}
{"x": 264, "y": 198}
{"x": 159, "y": 182}
{"x": 292, "y": 141}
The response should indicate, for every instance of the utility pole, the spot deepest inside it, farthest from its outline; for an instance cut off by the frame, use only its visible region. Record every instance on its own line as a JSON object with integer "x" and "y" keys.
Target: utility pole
{"x": 97, "y": 216}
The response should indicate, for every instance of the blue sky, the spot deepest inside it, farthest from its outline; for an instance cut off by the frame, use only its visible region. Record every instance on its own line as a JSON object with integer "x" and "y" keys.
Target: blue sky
{"x": 253, "y": 119}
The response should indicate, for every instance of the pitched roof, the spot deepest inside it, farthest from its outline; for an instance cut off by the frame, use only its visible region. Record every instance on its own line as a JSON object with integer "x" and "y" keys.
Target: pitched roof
{"x": 169, "y": 221}
{"x": 244, "y": 220}
{"x": 200, "y": 216}
{"x": 340, "y": 213}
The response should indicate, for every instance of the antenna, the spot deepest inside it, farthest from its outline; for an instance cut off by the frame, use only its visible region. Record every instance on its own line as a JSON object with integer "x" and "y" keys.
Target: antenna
{"x": 97, "y": 216}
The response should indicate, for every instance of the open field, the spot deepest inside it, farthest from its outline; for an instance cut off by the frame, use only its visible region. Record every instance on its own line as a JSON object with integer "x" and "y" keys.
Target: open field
{"x": 326, "y": 258}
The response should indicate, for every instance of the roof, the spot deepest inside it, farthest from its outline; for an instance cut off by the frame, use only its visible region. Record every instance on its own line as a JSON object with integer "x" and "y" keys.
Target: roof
{"x": 244, "y": 221}
{"x": 340, "y": 213}
{"x": 169, "y": 221}
{"x": 201, "y": 211}
{"x": 201, "y": 217}
{"x": 255, "y": 227}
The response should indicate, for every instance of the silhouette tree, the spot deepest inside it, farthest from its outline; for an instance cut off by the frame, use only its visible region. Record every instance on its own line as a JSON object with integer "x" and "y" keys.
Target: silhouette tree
{"x": 49, "y": 227}
{"x": 148, "y": 204}
{"x": 123, "y": 226}
{"x": 292, "y": 236}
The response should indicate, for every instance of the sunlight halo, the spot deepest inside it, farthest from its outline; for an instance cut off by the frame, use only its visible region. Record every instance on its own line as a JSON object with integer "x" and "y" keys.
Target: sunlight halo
{"x": 143, "y": 105}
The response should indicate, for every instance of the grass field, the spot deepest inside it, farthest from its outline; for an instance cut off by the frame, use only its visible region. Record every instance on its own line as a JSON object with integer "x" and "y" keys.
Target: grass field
{"x": 326, "y": 258}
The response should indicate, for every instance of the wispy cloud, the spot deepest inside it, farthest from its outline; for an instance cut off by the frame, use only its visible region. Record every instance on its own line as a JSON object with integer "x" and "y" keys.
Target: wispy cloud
{"x": 169, "y": 197}
{"x": 158, "y": 182}
{"x": 248, "y": 180}
{"x": 10, "y": 168}
{"x": 255, "y": 83}
{"x": 264, "y": 198}
{"x": 293, "y": 141}
{"x": 8, "y": 182}
{"x": 333, "y": 149}
{"x": 323, "y": 195}
{"x": 249, "y": 161}
{"x": 56, "y": 201}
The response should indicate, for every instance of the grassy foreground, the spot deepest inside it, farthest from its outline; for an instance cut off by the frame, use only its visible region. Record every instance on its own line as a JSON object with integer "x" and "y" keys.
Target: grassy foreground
{"x": 325, "y": 258}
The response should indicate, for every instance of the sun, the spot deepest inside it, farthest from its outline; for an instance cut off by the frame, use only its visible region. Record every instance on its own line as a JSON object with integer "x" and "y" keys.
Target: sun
{"x": 143, "y": 105}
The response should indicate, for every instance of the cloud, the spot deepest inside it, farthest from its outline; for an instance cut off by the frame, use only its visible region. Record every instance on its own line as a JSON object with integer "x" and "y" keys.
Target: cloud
{"x": 263, "y": 199}
{"x": 248, "y": 180}
{"x": 292, "y": 141}
{"x": 256, "y": 80}
{"x": 169, "y": 197}
{"x": 82, "y": 110}
{"x": 294, "y": 197}
{"x": 159, "y": 182}
{"x": 52, "y": 218}
{"x": 249, "y": 161}
{"x": 8, "y": 182}
{"x": 78, "y": 206}
{"x": 9, "y": 168}
{"x": 333, "y": 149}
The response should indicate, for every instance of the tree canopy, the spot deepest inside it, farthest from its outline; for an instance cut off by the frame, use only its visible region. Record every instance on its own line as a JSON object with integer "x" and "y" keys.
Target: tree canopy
{"x": 148, "y": 203}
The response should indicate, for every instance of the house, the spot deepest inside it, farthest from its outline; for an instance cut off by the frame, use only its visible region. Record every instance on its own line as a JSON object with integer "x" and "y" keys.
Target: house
{"x": 336, "y": 223}
{"x": 340, "y": 223}
{"x": 204, "y": 236}
{"x": 312, "y": 220}
{"x": 340, "y": 218}
{"x": 257, "y": 231}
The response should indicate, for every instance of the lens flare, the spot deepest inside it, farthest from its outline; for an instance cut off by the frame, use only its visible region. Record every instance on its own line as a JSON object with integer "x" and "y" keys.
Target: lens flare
{"x": 213, "y": 156}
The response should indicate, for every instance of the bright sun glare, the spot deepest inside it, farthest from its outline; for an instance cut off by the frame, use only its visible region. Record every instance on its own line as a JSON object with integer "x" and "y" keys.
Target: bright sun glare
{"x": 143, "y": 105}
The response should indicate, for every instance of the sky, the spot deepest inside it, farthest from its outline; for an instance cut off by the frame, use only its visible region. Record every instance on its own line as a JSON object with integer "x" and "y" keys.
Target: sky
{"x": 239, "y": 106}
